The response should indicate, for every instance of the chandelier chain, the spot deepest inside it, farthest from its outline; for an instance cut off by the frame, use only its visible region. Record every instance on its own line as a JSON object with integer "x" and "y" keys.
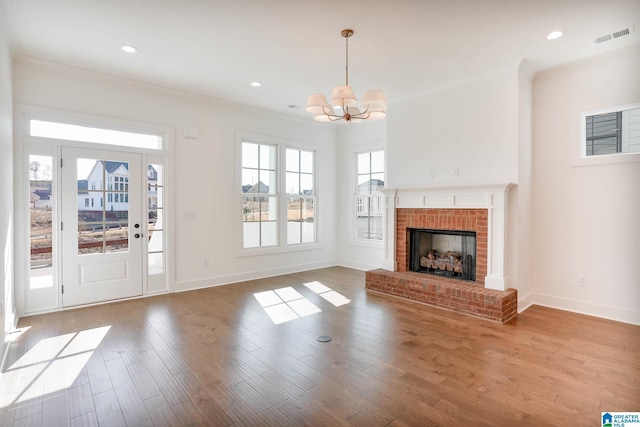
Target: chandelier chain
{"x": 347, "y": 61}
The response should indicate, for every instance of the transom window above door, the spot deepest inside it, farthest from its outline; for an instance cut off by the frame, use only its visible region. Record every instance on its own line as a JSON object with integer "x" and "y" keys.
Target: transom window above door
{"x": 69, "y": 132}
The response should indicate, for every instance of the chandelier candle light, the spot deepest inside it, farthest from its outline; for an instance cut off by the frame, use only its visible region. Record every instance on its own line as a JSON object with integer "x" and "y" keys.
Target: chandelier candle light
{"x": 344, "y": 104}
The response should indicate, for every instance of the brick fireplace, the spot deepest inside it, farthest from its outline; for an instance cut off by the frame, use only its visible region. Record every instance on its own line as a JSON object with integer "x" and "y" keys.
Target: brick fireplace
{"x": 442, "y": 219}
{"x": 478, "y": 209}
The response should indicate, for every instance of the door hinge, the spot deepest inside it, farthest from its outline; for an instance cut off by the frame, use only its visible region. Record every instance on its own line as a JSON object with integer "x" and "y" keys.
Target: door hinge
{"x": 61, "y": 226}
{"x": 60, "y": 162}
{"x": 63, "y": 289}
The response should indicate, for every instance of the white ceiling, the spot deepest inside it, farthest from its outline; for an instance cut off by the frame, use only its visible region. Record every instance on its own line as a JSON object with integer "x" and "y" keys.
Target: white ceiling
{"x": 406, "y": 47}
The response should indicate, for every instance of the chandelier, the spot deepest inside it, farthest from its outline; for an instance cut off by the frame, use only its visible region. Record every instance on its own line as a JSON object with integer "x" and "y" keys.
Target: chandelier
{"x": 344, "y": 104}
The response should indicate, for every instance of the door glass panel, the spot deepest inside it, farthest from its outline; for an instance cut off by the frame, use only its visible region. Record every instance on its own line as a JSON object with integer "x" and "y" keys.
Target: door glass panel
{"x": 103, "y": 206}
{"x": 155, "y": 187}
{"x": 41, "y": 220}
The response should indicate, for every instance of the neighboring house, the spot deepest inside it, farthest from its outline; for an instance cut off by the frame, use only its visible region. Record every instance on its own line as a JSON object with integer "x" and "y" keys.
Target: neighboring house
{"x": 370, "y": 186}
{"x": 40, "y": 194}
{"x": 260, "y": 187}
{"x": 368, "y": 200}
{"x": 93, "y": 197}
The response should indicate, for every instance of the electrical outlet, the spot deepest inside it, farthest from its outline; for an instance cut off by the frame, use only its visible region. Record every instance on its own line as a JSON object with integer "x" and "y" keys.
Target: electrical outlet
{"x": 454, "y": 172}
{"x": 205, "y": 261}
{"x": 583, "y": 281}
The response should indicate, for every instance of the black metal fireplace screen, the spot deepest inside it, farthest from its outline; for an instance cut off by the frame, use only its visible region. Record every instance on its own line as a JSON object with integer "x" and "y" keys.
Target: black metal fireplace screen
{"x": 447, "y": 253}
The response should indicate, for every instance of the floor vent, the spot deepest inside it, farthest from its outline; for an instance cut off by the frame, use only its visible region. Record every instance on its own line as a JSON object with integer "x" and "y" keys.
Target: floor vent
{"x": 614, "y": 35}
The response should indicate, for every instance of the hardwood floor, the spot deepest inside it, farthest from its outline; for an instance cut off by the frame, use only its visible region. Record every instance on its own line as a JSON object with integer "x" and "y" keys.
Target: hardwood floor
{"x": 216, "y": 357}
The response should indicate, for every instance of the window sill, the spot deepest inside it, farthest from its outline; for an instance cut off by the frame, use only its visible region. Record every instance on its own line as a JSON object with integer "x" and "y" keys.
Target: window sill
{"x": 606, "y": 159}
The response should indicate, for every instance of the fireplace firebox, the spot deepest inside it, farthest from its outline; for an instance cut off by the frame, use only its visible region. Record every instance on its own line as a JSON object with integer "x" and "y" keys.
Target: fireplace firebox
{"x": 447, "y": 253}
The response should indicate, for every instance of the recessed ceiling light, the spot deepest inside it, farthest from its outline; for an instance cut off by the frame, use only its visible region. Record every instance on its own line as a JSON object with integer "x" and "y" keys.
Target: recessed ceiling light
{"x": 256, "y": 84}
{"x": 129, "y": 49}
{"x": 555, "y": 35}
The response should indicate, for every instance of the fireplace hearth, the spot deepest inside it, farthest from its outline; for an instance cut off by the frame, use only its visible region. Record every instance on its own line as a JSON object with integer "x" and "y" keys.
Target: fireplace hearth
{"x": 483, "y": 289}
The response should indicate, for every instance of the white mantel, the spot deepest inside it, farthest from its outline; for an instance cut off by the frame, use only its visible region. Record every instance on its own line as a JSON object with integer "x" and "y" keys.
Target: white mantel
{"x": 492, "y": 197}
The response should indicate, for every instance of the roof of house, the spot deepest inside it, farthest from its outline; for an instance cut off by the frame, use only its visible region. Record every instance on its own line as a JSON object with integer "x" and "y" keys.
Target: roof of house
{"x": 259, "y": 187}
{"x": 111, "y": 167}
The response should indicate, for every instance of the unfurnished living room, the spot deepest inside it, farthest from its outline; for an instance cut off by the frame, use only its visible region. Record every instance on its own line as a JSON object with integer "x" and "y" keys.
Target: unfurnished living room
{"x": 339, "y": 213}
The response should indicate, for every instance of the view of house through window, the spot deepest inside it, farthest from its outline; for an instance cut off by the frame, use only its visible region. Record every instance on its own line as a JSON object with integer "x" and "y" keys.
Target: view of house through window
{"x": 278, "y": 202}
{"x": 369, "y": 201}
{"x": 300, "y": 196}
{"x": 259, "y": 197}
{"x": 614, "y": 132}
{"x": 103, "y": 226}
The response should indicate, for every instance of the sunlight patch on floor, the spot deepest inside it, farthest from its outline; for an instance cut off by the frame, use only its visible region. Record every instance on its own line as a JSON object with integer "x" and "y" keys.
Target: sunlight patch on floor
{"x": 53, "y": 364}
{"x": 335, "y": 298}
{"x": 285, "y": 304}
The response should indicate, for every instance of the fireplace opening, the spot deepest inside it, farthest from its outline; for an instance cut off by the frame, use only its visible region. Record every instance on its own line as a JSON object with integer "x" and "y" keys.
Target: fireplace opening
{"x": 447, "y": 253}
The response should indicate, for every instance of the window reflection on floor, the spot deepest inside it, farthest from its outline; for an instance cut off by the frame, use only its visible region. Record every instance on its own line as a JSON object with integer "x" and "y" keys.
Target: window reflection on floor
{"x": 335, "y": 298}
{"x": 51, "y": 365}
{"x": 286, "y": 304}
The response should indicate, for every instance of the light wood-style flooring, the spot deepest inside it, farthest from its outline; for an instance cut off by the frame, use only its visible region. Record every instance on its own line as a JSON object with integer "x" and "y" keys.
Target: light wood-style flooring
{"x": 215, "y": 357}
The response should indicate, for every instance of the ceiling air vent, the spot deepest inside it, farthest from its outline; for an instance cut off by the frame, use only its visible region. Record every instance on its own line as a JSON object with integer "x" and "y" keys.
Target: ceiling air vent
{"x": 614, "y": 35}
{"x": 621, "y": 33}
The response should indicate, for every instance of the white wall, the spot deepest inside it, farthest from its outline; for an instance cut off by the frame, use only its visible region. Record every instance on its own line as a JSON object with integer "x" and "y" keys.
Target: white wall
{"x": 7, "y": 308}
{"x": 472, "y": 128}
{"x": 585, "y": 217}
{"x": 480, "y": 129}
{"x": 204, "y": 175}
{"x": 354, "y": 138}
{"x": 520, "y": 219}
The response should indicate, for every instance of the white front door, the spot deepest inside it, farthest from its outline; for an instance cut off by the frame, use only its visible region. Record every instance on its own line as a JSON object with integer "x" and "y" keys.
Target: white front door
{"x": 102, "y": 225}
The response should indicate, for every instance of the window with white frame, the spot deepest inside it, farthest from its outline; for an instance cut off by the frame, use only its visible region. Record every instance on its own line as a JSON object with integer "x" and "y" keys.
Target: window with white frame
{"x": 301, "y": 199}
{"x": 278, "y": 194}
{"x": 612, "y": 132}
{"x": 369, "y": 200}
{"x": 259, "y": 195}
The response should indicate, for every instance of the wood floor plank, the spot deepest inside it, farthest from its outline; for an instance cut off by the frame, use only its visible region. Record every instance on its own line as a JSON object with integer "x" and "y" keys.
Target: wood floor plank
{"x": 108, "y": 411}
{"x": 79, "y": 400}
{"x": 33, "y": 420}
{"x": 214, "y": 357}
{"x": 161, "y": 412}
{"x": 169, "y": 386}
{"x": 143, "y": 380}
{"x": 133, "y": 408}
{"x": 54, "y": 410}
{"x": 84, "y": 420}
{"x": 99, "y": 378}
{"x": 189, "y": 414}
{"x": 205, "y": 403}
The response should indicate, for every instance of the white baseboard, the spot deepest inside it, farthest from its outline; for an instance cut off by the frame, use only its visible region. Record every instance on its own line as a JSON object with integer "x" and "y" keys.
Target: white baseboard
{"x": 357, "y": 265}
{"x": 525, "y": 302}
{"x": 588, "y": 308}
{"x": 249, "y": 275}
{"x": 10, "y": 325}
